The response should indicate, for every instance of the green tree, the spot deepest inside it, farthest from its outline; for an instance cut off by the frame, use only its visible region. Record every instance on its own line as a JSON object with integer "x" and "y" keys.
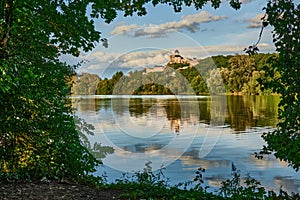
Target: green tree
{"x": 104, "y": 87}
{"x": 215, "y": 82}
{"x": 107, "y": 86}
{"x": 285, "y": 140}
{"x": 85, "y": 84}
{"x": 222, "y": 61}
{"x": 269, "y": 73}
{"x": 199, "y": 85}
{"x": 37, "y": 130}
{"x": 241, "y": 68}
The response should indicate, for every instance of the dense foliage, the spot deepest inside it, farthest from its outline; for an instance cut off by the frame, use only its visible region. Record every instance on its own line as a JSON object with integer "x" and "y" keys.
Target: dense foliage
{"x": 38, "y": 136}
{"x": 241, "y": 74}
{"x": 84, "y": 84}
{"x": 106, "y": 86}
{"x": 285, "y": 140}
{"x": 250, "y": 74}
{"x": 149, "y": 185}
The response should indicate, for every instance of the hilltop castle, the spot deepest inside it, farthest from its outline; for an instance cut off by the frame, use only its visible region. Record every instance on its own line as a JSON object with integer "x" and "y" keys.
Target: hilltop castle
{"x": 175, "y": 58}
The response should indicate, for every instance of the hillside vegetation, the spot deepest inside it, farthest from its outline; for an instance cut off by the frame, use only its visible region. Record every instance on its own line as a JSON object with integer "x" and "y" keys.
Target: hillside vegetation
{"x": 239, "y": 74}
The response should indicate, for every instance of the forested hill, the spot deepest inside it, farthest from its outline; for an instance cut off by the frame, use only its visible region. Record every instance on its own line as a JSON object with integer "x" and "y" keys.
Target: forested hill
{"x": 241, "y": 74}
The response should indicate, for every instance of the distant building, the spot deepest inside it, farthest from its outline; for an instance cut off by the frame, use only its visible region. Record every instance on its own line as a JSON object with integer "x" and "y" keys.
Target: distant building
{"x": 176, "y": 58}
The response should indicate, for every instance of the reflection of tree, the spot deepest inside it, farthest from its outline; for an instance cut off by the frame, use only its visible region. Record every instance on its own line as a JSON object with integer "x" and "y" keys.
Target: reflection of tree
{"x": 142, "y": 147}
{"x": 84, "y": 130}
{"x": 242, "y": 111}
{"x": 173, "y": 109}
{"x": 84, "y": 104}
{"x": 177, "y": 111}
{"x": 119, "y": 106}
{"x": 102, "y": 104}
{"x": 138, "y": 106}
{"x": 204, "y": 109}
{"x": 88, "y": 104}
{"x": 251, "y": 111}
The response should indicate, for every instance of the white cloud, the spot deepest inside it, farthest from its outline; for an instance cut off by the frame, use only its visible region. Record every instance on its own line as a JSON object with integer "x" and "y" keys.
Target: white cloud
{"x": 100, "y": 56}
{"x": 190, "y": 23}
{"x": 205, "y": 51}
{"x": 100, "y": 61}
{"x": 256, "y": 21}
{"x": 143, "y": 59}
{"x": 246, "y": 1}
{"x": 123, "y": 29}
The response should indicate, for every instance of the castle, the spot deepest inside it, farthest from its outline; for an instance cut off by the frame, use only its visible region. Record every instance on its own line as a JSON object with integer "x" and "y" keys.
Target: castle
{"x": 175, "y": 58}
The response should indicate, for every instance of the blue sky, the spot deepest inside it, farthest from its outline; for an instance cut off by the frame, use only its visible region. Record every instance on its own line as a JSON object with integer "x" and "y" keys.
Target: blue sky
{"x": 136, "y": 42}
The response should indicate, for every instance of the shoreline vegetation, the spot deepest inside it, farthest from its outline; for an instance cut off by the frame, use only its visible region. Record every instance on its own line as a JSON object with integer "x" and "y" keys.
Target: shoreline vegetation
{"x": 230, "y": 75}
{"x": 141, "y": 185}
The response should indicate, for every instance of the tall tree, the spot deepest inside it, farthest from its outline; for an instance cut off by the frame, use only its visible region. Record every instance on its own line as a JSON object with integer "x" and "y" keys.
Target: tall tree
{"x": 284, "y": 16}
{"x": 240, "y": 72}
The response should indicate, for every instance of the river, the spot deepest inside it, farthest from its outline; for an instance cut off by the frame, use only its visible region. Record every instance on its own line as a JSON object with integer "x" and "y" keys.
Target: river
{"x": 183, "y": 133}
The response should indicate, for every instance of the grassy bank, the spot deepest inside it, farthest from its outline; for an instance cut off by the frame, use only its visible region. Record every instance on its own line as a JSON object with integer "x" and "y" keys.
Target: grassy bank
{"x": 140, "y": 185}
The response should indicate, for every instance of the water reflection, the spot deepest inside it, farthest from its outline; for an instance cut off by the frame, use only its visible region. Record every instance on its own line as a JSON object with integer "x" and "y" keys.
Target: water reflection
{"x": 251, "y": 111}
{"x": 162, "y": 129}
{"x": 243, "y": 112}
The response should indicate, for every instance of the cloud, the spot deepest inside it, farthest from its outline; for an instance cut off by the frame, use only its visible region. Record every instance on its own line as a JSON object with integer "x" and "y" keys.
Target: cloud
{"x": 100, "y": 62}
{"x": 236, "y": 49}
{"x": 246, "y": 1}
{"x": 123, "y": 29}
{"x": 256, "y": 21}
{"x": 206, "y": 51}
{"x": 143, "y": 59}
{"x": 100, "y": 56}
{"x": 190, "y": 23}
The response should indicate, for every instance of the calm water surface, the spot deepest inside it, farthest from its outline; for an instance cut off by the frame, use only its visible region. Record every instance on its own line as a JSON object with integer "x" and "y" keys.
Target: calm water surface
{"x": 183, "y": 134}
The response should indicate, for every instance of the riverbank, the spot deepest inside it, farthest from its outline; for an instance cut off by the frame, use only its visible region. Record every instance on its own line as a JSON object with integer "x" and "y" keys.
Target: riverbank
{"x": 55, "y": 190}
{"x": 143, "y": 189}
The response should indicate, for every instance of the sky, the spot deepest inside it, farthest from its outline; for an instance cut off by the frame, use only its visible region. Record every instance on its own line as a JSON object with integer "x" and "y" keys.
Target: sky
{"x": 137, "y": 42}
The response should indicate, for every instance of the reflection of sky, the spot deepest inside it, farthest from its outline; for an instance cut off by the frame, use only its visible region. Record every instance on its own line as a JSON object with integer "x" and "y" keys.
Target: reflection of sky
{"x": 180, "y": 151}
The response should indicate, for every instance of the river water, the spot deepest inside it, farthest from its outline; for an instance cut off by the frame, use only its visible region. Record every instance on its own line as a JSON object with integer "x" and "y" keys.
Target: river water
{"x": 183, "y": 133}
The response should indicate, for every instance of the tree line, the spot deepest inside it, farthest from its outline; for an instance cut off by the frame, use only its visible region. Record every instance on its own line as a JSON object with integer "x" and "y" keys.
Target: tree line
{"x": 238, "y": 74}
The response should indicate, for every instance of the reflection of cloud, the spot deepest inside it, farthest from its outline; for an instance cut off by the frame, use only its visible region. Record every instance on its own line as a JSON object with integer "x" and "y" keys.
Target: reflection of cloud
{"x": 287, "y": 183}
{"x": 215, "y": 181}
{"x": 191, "y": 158}
{"x": 190, "y": 23}
{"x": 268, "y": 161}
{"x": 256, "y": 21}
